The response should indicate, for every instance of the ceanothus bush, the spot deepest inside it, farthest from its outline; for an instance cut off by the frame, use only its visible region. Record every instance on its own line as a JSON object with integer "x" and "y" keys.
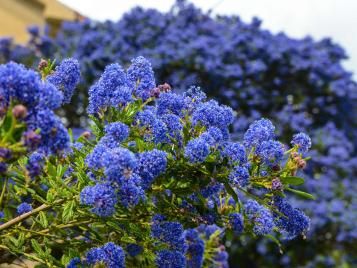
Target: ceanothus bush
{"x": 160, "y": 183}
{"x": 300, "y": 84}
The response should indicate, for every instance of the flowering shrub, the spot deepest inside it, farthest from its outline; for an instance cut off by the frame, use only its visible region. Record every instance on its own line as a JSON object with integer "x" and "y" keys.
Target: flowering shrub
{"x": 160, "y": 183}
{"x": 299, "y": 84}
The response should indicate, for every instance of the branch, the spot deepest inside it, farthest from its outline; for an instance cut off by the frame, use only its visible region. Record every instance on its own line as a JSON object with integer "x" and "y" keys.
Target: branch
{"x": 27, "y": 215}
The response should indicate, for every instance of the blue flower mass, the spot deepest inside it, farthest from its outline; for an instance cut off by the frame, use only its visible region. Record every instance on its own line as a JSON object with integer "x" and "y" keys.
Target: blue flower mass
{"x": 163, "y": 171}
{"x": 166, "y": 174}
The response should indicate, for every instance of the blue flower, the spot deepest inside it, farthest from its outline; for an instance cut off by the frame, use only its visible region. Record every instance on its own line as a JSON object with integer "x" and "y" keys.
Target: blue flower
{"x": 292, "y": 222}
{"x": 141, "y": 76}
{"x": 150, "y": 165}
{"x": 35, "y": 163}
{"x": 74, "y": 263}
{"x": 101, "y": 197}
{"x": 260, "y": 216}
{"x": 270, "y": 152}
{"x": 117, "y": 161}
{"x": 170, "y": 103}
{"x": 170, "y": 259}
{"x": 20, "y": 84}
{"x": 173, "y": 125}
{"x": 24, "y": 208}
{"x": 31, "y": 139}
{"x": 261, "y": 130}
{"x": 134, "y": 249}
{"x": 211, "y": 114}
{"x": 2, "y": 215}
{"x": 303, "y": 142}
{"x": 195, "y": 250}
{"x": 118, "y": 131}
{"x": 50, "y": 97}
{"x": 110, "y": 254}
{"x": 3, "y": 167}
{"x": 197, "y": 150}
{"x": 236, "y": 222}
{"x": 130, "y": 193}
{"x": 235, "y": 152}
{"x": 194, "y": 96}
{"x": 171, "y": 233}
{"x": 66, "y": 78}
{"x": 112, "y": 89}
{"x": 239, "y": 176}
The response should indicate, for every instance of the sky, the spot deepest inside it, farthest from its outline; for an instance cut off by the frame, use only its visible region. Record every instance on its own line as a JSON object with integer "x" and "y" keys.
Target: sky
{"x": 318, "y": 18}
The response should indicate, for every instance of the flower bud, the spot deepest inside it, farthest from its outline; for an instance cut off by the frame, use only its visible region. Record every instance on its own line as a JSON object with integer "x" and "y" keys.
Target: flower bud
{"x": 164, "y": 87}
{"x": 155, "y": 92}
{"x": 31, "y": 139}
{"x": 301, "y": 163}
{"x": 19, "y": 111}
{"x": 86, "y": 134}
{"x": 276, "y": 185}
{"x": 42, "y": 64}
{"x": 276, "y": 168}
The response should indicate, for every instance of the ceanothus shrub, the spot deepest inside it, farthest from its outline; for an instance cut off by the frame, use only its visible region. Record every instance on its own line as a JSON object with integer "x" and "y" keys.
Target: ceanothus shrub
{"x": 160, "y": 183}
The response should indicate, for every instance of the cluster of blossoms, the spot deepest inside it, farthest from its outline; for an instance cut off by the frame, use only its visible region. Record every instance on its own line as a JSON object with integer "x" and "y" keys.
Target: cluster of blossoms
{"x": 158, "y": 151}
{"x": 299, "y": 83}
{"x": 29, "y": 126}
{"x": 161, "y": 184}
{"x": 27, "y": 104}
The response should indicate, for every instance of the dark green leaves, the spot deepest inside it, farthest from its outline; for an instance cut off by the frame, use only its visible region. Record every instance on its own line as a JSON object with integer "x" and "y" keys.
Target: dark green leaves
{"x": 68, "y": 211}
{"x": 301, "y": 193}
{"x": 292, "y": 180}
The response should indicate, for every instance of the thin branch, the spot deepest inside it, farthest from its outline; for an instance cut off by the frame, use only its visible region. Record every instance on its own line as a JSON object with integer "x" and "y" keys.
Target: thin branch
{"x": 27, "y": 215}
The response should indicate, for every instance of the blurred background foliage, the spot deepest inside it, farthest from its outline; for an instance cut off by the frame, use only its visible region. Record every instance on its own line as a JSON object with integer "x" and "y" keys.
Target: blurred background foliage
{"x": 298, "y": 83}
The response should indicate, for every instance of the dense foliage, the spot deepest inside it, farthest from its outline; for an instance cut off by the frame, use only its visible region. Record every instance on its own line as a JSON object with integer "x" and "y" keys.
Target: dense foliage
{"x": 299, "y": 83}
{"x": 160, "y": 183}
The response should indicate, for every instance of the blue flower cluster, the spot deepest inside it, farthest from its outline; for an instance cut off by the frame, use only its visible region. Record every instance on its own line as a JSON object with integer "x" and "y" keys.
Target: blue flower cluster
{"x": 260, "y": 216}
{"x": 38, "y": 99}
{"x": 158, "y": 153}
{"x": 299, "y": 83}
{"x": 111, "y": 255}
{"x": 24, "y": 208}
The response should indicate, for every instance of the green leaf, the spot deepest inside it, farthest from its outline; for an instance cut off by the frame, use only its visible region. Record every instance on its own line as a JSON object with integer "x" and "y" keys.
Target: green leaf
{"x": 301, "y": 193}
{"x": 36, "y": 246}
{"x": 68, "y": 211}
{"x": 43, "y": 219}
{"x": 292, "y": 180}
{"x": 50, "y": 197}
{"x": 230, "y": 190}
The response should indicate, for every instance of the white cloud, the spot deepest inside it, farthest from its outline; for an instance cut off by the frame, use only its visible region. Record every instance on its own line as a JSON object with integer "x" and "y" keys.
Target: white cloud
{"x": 318, "y": 18}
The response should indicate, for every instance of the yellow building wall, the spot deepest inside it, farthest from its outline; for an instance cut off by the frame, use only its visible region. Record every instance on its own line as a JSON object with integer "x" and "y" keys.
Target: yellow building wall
{"x": 17, "y": 15}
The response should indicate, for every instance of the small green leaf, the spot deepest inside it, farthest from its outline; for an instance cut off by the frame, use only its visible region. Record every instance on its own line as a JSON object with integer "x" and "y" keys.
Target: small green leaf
{"x": 68, "y": 211}
{"x": 230, "y": 190}
{"x": 36, "y": 246}
{"x": 301, "y": 193}
{"x": 43, "y": 219}
{"x": 292, "y": 180}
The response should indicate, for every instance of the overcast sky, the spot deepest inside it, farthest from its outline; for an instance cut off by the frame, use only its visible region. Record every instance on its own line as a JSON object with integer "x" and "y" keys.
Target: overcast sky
{"x": 318, "y": 18}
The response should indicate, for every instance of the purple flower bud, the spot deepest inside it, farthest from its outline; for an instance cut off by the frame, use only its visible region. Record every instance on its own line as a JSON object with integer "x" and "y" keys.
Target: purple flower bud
{"x": 5, "y": 153}
{"x": 19, "y": 111}
{"x": 42, "y": 64}
{"x": 31, "y": 139}
{"x": 276, "y": 185}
